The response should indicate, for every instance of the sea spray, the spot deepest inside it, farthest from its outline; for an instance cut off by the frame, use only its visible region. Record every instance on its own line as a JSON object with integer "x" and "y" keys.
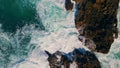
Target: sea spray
{"x": 60, "y": 34}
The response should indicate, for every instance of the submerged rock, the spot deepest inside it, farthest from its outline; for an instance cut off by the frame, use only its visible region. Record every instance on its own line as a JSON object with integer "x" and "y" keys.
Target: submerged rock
{"x": 97, "y": 20}
{"x": 81, "y": 58}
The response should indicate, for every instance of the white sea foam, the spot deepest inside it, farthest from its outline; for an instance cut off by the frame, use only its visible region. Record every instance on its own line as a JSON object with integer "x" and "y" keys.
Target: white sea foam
{"x": 60, "y": 35}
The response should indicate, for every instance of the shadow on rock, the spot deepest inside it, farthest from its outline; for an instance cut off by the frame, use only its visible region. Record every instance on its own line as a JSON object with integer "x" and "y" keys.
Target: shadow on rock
{"x": 78, "y": 58}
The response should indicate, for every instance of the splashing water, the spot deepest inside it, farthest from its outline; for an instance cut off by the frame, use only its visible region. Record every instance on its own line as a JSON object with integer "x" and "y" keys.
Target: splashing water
{"x": 26, "y": 48}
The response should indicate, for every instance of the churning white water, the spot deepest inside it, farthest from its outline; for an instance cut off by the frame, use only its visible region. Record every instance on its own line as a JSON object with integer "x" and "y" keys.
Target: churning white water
{"x": 60, "y": 34}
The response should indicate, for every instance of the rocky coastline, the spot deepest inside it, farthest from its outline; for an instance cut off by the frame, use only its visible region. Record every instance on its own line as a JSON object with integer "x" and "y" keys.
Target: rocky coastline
{"x": 96, "y": 22}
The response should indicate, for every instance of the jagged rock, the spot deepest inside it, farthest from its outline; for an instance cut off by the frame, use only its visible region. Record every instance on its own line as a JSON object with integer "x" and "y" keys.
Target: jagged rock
{"x": 97, "y": 20}
{"x": 81, "y": 57}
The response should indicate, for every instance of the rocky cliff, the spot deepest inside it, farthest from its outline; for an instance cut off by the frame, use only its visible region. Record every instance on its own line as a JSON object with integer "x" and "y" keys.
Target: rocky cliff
{"x": 96, "y": 22}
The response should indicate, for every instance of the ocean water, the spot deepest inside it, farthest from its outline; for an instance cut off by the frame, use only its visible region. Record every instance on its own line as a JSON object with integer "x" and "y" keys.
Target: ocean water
{"x": 17, "y": 13}
{"x": 22, "y": 45}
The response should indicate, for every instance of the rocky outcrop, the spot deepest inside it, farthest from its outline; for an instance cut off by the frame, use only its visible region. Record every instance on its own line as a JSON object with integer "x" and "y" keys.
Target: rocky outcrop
{"x": 96, "y": 21}
{"x": 80, "y": 57}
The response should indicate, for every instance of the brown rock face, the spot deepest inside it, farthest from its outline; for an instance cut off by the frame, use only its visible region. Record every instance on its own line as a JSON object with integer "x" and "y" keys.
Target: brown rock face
{"x": 96, "y": 20}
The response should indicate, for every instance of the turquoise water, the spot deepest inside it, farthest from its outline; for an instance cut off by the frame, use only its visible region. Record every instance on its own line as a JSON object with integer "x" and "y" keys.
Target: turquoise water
{"x": 22, "y": 45}
{"x": 17, "y": 13}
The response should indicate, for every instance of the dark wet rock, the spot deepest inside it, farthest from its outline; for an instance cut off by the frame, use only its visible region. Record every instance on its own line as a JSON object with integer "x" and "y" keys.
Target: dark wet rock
{"x": 68, "y": 5}
{"x": 81, "y": 57}
{"x": 97, "y": 20}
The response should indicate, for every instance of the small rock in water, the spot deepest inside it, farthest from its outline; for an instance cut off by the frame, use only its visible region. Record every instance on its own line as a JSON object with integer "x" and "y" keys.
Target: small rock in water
{"x": 68, "y": 5}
